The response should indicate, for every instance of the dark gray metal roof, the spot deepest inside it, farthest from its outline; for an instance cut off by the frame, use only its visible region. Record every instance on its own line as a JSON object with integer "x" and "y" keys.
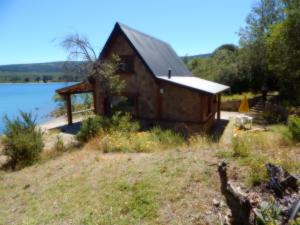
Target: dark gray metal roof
{"x": 158, "y": 55}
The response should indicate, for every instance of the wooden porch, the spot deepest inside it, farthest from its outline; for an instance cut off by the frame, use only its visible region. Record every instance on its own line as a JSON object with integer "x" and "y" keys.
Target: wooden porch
{"x": 67, "y": 92}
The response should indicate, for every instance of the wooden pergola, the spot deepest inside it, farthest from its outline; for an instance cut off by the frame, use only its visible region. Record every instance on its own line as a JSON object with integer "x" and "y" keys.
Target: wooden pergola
{"x": 66, "y": 92}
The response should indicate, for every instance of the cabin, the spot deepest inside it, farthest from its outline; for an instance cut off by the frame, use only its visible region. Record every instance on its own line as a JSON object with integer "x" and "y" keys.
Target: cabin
{"x": 159, "y": 87}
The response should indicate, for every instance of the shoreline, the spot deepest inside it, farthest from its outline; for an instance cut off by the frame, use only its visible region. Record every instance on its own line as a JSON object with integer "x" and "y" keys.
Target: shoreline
{"x": 58, "y": 122}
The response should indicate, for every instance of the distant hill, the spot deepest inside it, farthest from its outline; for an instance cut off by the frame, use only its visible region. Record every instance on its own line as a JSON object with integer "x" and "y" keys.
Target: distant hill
{"x": 190, "y": 57}
{"x": 34, "y": 67}
{"x": 35, "y": 72}
{"x": 49, "y": 71}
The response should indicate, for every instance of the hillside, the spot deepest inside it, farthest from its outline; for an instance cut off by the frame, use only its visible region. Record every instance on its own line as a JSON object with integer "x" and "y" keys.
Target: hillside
{"x": 190, "y": 57}
{"x": 88, "y": 187}
{"x": 85, "y": 185}
{"x": 49, "y": 71}
{"x": 36, "y": 72}
{"x": 34, "y": 67}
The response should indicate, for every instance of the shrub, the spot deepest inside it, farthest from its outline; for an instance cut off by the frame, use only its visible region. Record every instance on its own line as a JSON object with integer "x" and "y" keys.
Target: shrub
{"x": 23, "y": 140}
{"x": 123, "y": 123}
{"x": 167, "y": 138}
{"x": 118, "y": 141}
{"x": 59, "y": 145}
{"x": 273, "y": 117}
{"x": 294, "y": 127}
{"x": 239, "y": 147}
{"x": 257, "y": 172}
{"x": 91, "y": 127}
{"x": 117, "y": 123}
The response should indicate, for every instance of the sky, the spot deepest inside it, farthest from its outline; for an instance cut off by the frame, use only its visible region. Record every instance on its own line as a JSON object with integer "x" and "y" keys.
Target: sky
{"x": 31, "y": 30}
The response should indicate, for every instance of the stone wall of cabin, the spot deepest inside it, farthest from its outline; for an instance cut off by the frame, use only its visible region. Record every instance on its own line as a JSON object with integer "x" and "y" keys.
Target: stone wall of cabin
{"x": 177, "y": 105}
{"x": 187, "y": 106}
{"x": 140, "y": 82}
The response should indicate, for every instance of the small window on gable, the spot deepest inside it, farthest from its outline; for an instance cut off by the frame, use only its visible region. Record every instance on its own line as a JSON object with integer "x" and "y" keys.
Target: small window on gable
{"x": 126, "y": 64}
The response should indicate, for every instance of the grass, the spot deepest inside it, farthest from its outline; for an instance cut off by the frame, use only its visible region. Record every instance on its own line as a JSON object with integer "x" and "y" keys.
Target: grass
{"x": 146, "y": 141}
{"x": 174, "y": 181}
{"x": 233, "y": 97}
{"x": 252, "y": 150}
{"x": 88, "y": 187}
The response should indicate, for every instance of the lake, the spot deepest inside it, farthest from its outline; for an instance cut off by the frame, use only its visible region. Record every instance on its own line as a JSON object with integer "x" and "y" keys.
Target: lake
{"x": 36, "y": 98}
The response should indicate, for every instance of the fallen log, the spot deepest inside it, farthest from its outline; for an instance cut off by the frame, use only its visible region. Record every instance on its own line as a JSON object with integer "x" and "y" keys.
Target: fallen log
{"x": 280, "y": 180}
{"x": 236, "y": 200}
{"x": 247, "y": 208}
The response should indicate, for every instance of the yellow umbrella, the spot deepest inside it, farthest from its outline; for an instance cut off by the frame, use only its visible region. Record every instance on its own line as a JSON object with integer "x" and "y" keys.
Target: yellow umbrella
{"x": 244, "y": 107}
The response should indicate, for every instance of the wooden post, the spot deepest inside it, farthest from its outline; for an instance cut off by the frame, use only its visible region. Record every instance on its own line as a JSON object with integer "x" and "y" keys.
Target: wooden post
{"x": 95, "y": 101}
{"x": 219, "y": 107}
{"x": 69, "y": 108}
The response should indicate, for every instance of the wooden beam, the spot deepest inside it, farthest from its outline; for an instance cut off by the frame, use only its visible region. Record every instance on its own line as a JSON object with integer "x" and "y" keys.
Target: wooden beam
{"x": 219, "y": 107}
{"x": 69, "y": 108}
{"x": 95, "y": 101}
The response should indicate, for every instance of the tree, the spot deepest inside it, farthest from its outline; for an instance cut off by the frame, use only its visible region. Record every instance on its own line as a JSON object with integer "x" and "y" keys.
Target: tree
{"x": 103, "y": 72}
{"x": 284, "y": 52}
{"x": 222, "y": 66}
{"x": 252, "y": 40}
{"x": 23, "y": 140}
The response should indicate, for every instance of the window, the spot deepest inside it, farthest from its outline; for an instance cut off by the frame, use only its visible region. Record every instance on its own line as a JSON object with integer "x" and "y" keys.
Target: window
{"x": 126, "y": 64}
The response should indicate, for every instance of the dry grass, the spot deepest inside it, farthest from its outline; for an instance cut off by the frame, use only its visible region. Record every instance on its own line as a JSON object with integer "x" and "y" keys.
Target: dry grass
{"x": 252, "y": 150}
{"x": 173, "y": 186}
{"x": 89, "y": 187}
{"x": 239, "y": 96}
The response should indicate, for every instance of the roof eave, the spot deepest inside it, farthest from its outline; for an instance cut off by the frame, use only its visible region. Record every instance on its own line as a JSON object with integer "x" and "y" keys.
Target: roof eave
{"x": 195, "y": 89}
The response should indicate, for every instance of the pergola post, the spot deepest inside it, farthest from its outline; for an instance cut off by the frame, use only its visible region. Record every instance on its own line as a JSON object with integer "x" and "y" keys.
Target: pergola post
{"x": 69, "y": 108}
{"x": 219, "y": 107}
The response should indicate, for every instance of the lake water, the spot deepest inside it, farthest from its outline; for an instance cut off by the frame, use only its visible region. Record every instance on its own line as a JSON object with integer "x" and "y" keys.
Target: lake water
{"x": 36, "y": 98}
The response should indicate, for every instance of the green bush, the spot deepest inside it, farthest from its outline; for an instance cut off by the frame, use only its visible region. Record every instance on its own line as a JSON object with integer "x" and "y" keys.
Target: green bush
{"x": 23, "y": 140}
{"x": 117, "y": 123}
{"x": 149, "y": 141}
{"x": 91, "y": 127}
{"x": 166, "y": 137}
{"x": 294, "y": 127}
{"x": 239, "y": 147}
{"x": 273, "y": 117}
{"x": 123, "y": 123}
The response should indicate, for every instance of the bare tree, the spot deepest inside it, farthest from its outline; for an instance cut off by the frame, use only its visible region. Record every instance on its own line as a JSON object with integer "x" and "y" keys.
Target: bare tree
{"x": 104, "y": 73}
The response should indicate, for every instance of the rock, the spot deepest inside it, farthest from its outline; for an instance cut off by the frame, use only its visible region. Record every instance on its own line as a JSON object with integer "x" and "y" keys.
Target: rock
{"x": 216, "y": 203}
{"x": 4, "y": 160}
{"x": 26, "y": 186}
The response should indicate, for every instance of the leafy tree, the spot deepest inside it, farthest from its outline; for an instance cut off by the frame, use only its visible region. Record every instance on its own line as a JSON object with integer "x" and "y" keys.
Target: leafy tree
{"x": 284, "y": 52}
{"x": 222, "y": 66}
{"x": 252, "y": 40}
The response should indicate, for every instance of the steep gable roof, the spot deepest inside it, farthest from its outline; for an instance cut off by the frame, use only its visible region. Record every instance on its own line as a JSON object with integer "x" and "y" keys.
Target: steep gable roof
{"x": 158, "y": 56}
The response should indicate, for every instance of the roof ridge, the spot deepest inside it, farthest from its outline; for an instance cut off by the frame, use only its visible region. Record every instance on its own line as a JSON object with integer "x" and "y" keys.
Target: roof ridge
{"x": 140, "y": 32}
